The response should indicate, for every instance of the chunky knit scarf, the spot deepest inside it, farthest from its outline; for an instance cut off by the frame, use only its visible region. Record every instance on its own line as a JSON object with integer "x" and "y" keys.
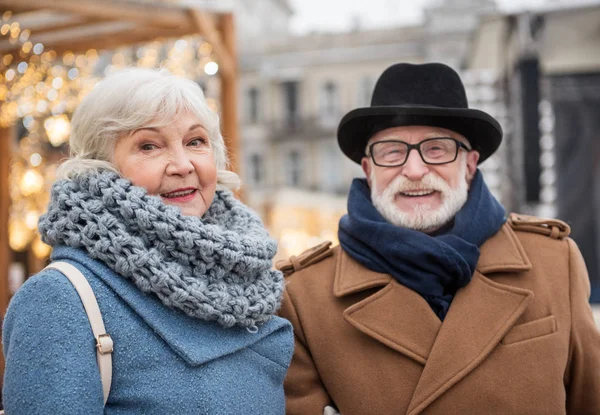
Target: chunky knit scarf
{"x": 215, "y": 268}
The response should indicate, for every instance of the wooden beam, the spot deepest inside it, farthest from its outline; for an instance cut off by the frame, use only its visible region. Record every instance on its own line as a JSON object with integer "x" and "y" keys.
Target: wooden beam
{"x": 117, "y": 40}
{"x": 44, "y": 20}
{"x": 206, "y": 27}
{"x": 156, "y": 14}
{"x": 51, "y": 39}
{"x": 229, "y": 106}
{"x": 108, "y": 41}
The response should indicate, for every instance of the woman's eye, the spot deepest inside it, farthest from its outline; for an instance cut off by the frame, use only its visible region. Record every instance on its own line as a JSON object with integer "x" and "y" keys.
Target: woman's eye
{"x": 197, "y": 142}
{"x": 147, "y": 147}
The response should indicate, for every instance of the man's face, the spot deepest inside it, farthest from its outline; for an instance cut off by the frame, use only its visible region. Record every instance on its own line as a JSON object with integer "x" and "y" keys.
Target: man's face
{"x": 418, "y": 195}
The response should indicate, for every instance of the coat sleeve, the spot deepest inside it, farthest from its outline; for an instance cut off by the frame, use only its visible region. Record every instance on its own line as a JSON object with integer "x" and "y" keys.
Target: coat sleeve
{"x": 583, "y": 370}
{"x": 304, "y": 391}
{"x": 50, "y": 351}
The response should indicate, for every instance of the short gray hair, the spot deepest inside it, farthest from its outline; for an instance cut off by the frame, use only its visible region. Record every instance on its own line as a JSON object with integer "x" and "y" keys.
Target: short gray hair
{"x": 134, "y": 98}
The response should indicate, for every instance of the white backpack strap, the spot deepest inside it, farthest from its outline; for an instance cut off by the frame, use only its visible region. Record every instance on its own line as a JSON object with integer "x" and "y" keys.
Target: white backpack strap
{"x": 104, "y": 343}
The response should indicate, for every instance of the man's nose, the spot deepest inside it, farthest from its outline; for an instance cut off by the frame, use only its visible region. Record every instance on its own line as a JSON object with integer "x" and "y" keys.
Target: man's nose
{"x": 415, "y": 168}
{"x": 180, "y": 163}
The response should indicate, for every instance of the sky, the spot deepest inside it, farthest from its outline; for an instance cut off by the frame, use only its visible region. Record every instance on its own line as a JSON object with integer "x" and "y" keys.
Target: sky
{"x": 338, "y": 15}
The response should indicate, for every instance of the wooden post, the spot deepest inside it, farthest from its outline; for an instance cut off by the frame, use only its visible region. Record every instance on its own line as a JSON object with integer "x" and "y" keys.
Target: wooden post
{"x": 229, "y": 93}
{"x": 5, "y": 150}
{"x": 6, "y": 137}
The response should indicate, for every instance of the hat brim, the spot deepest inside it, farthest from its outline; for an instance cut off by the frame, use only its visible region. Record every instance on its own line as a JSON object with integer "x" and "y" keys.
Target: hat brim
{"x": 358, "y": 126}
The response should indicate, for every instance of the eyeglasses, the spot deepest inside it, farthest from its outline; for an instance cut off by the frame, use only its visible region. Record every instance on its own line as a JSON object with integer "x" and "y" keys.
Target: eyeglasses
{"x": 394, "y": 153}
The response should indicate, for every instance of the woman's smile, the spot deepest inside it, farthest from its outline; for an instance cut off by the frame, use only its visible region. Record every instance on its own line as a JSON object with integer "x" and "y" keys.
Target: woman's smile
{"x": 180, "y": 195}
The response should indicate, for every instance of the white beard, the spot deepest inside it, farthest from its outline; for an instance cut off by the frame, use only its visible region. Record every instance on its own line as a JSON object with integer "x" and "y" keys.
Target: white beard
{"x": 423, "y": 217}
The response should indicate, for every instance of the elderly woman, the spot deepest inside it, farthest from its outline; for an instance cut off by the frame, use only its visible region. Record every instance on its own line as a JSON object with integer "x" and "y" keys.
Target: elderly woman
{"x": 181, "y": 270}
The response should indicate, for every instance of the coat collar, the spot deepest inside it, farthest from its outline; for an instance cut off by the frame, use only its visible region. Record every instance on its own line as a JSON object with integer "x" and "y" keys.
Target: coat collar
{"x": 196, "y": 341}
{"x": 501, "y": 253}
{"x": 479, "y": 316}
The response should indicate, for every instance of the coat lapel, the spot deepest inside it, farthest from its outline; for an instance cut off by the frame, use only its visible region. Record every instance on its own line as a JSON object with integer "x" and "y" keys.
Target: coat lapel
{"x": 503, "y": 253}
{"x": 395, "y": 315}
{"x": 479, "y": 316}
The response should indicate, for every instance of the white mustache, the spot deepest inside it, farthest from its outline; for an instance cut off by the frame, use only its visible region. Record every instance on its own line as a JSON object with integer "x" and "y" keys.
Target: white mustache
{"x": 430, "y": 181}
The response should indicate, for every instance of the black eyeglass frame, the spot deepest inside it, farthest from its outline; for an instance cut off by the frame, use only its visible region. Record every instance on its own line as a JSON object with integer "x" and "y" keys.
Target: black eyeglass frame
{"x": 459, "y": 145}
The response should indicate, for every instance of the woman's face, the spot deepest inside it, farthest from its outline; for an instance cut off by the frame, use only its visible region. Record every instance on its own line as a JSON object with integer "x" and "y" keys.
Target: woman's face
{"x": 175, "y": 162}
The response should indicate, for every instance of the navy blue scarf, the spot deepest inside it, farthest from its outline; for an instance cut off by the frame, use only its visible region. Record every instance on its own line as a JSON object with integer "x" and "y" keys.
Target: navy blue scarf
{"x": 435, "y": 266}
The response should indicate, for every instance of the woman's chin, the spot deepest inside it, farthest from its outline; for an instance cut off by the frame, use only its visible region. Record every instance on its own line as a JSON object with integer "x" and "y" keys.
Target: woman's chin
{"x": 197, "y": 211}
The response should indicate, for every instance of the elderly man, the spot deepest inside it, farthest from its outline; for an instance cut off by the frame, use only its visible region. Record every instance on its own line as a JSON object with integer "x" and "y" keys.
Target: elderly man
{"x": 435, "y": 302}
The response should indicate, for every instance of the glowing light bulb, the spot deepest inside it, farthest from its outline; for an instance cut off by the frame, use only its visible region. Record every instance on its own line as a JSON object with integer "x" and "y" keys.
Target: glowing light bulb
{"x": 31, "y": 182}
{"x": 58, "y": 128}
{"x": 211, "y": 68}
{"x": 31, "y": 219}
{"x": 18, "y": 235}
{"x": 35, "y": 159}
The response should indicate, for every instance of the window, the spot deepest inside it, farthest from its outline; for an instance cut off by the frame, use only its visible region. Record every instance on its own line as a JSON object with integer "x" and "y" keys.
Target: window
{"x": 331, "y": 168}
{"x": 256, "y": 172}
{"x": 294, "y": 168}
{"x": 365, "y": 90}
{"x": 329, "y": 100}
{"x": 252, "y": 105}
{"x": 290, "y": 100}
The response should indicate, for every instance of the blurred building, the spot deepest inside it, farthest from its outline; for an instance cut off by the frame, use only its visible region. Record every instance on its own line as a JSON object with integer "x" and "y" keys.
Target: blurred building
{"x": 295, "y": 89}
{"x": 548, "y": 61}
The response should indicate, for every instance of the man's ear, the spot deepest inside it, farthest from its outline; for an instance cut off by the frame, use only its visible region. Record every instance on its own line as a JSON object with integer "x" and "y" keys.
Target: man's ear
{"x": 366, "y": 166}
{"x": 472, "y": 159}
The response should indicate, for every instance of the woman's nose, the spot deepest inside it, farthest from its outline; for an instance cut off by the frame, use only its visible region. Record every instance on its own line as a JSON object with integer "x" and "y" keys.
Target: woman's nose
{"x": 179, "y": 164}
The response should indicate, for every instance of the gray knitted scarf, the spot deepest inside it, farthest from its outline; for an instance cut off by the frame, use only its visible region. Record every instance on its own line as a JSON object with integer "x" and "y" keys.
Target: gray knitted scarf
{"x": 215, "y": 268}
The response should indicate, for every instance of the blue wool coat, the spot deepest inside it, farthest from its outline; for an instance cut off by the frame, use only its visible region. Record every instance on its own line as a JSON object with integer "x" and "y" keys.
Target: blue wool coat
{"x": 164, "y": 362}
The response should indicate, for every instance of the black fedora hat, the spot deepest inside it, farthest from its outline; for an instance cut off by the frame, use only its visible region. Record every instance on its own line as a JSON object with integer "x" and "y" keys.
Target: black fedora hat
{"x": 430, "y": 94}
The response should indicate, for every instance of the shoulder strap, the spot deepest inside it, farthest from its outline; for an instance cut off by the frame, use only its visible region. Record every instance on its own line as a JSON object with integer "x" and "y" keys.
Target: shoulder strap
{"x": 554, "y": 228}
{"x": 104, "y": 343}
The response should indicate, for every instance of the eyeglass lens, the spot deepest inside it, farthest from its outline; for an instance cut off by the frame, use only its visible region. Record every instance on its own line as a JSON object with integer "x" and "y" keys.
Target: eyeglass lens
{"x": 433, "y": 151}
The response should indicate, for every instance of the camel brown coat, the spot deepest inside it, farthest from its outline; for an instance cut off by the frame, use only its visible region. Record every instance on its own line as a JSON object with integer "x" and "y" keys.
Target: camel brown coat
{"x": 518, "y": 339}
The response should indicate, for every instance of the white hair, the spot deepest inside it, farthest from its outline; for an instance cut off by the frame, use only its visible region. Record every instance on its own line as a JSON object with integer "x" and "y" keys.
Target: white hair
{"x": 134, "y": 98}
{"x": 423, "y": 218}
